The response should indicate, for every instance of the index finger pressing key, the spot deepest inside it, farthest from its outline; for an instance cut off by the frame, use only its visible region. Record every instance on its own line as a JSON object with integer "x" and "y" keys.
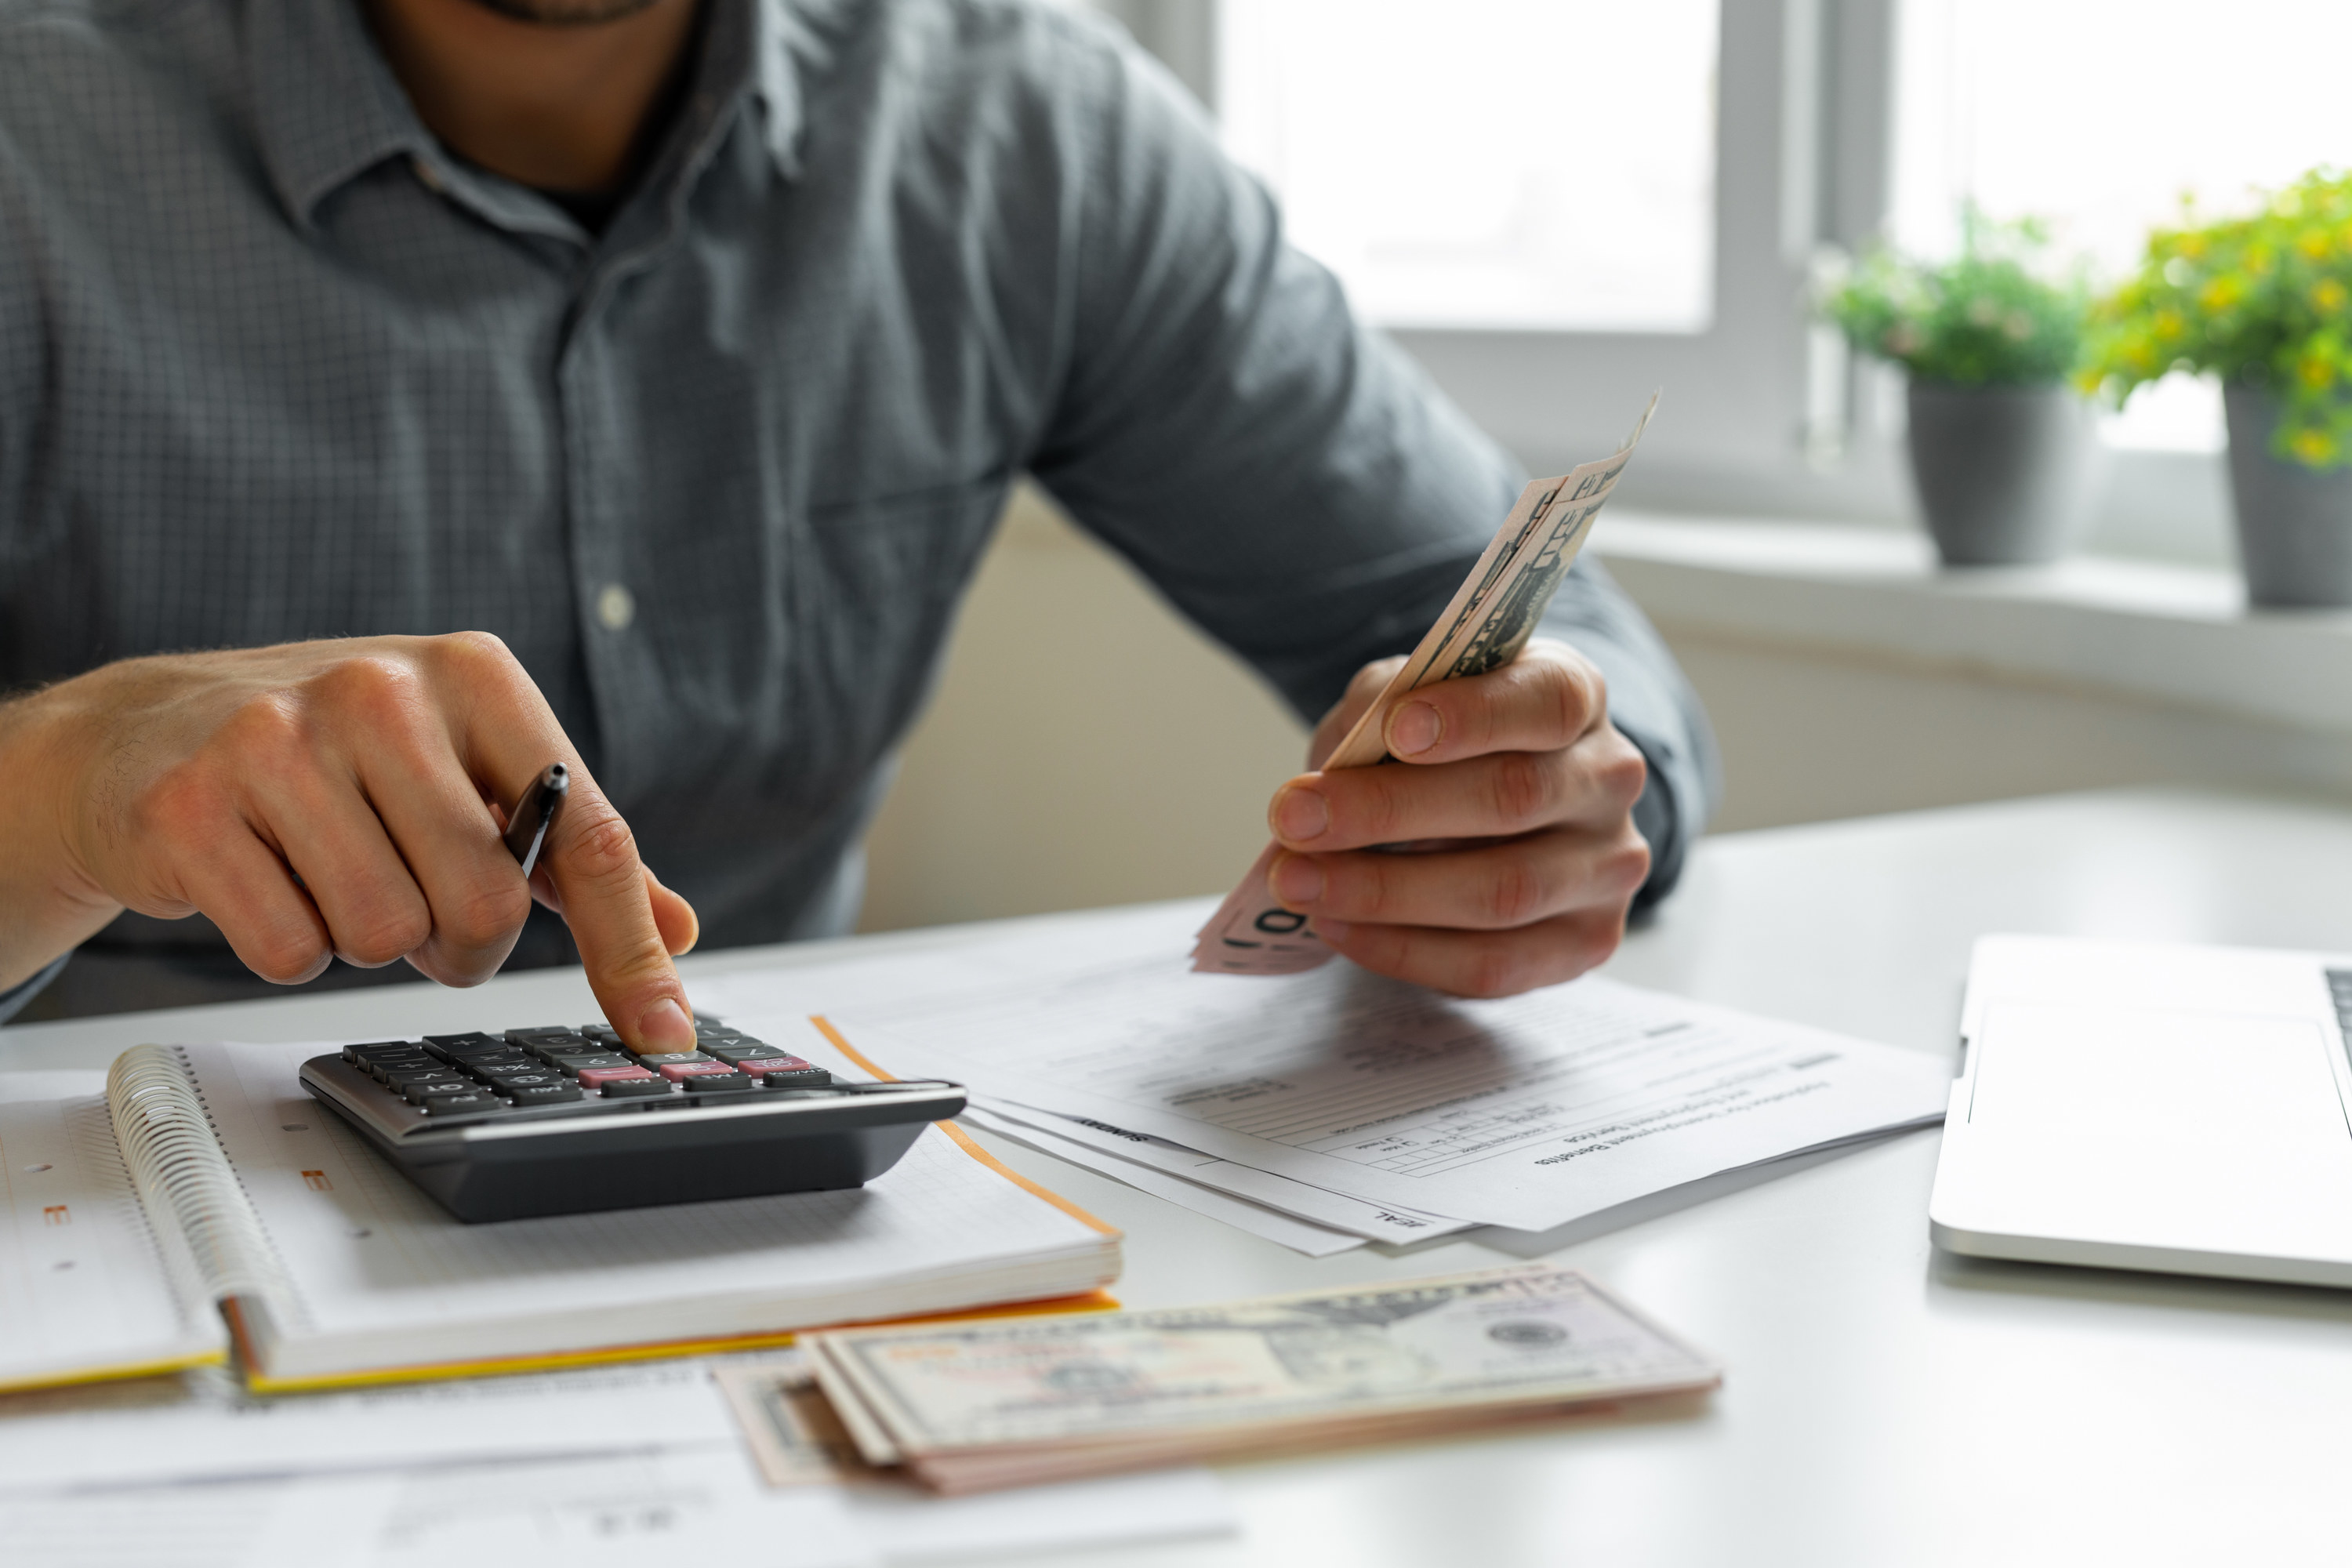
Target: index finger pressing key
{"x": 591, "y": 857}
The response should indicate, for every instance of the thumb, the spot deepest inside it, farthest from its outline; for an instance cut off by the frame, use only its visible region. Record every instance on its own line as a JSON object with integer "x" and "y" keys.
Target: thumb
{"x": 681, "y": 928}
{"x": 1361, "y": 693}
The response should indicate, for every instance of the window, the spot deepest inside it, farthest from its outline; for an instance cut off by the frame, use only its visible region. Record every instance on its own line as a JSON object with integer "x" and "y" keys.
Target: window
{"x": 1557, "y": 204}
{"x": 2099, "y": 115}
{"x": 1464, "y": 176}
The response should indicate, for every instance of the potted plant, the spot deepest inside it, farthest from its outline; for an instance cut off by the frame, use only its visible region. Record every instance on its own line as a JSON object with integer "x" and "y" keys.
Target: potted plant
{"x": 2002, "y": 445}
{"x": 2261, "y": 302}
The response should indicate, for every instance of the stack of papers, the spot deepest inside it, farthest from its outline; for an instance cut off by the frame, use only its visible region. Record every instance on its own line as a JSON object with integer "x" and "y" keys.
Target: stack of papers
{"x": 1328, "y": 1108}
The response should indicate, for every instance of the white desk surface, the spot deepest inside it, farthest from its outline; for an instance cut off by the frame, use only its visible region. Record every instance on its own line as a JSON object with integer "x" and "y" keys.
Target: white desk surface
{"x": 1884, "y": 1404}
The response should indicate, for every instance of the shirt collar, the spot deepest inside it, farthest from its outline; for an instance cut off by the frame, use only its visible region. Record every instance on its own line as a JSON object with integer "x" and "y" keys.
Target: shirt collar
{"x": 326, "y": 108}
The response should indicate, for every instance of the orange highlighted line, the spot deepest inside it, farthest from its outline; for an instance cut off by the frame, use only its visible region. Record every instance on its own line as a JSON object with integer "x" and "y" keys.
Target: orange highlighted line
{"x": 963, "y": 1140}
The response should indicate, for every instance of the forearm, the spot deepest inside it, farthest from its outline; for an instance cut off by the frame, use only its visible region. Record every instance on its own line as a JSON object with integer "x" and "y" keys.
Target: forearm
{"x": 48, "y": 905}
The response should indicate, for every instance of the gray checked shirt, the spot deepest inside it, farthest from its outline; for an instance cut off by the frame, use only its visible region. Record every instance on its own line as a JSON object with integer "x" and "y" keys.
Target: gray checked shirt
{"x": 275, "y": 364}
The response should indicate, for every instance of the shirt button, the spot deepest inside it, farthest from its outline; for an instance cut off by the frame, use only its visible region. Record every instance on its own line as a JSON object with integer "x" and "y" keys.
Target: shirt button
{"x": 427, "y": 175}
{"x": 615, "y": 607}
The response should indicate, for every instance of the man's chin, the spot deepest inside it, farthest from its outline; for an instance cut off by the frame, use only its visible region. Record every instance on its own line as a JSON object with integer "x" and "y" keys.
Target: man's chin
{"x": 567, "y": 12}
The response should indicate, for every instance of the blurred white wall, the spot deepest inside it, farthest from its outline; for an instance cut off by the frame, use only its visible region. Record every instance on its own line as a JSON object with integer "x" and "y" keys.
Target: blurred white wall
{"x": 1085, "y": 746}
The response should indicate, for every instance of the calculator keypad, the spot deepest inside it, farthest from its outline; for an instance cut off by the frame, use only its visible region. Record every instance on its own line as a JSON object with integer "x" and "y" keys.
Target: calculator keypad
{"x": 553, "y": 1065}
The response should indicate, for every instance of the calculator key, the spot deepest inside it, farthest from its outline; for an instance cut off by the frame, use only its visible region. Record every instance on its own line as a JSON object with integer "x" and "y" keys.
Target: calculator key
{"x": 671, "y": 1059}
{"x": 590, "y": 1077}
{"x": 785, "y": 1072}
{"x": 516, "y": 1062}
{"x": 713, "y": 1083}
{"x": 418, "y": 1094}
{"x": 508, "y": 1082}
{"x": 542, "y": 1035}
{"x": 371, "y": 1051}
{"x": 480, "y": 1051}
{"x": 577, "y": 1066}
{"x": 603, "y": 1035}
{"x": 396, "y": 1076}
{"x": 471, "y": 1037}
{"x": 444, "y": 1104}
{"x": 646, "y": 1088}
{"x": 674, "y": 1068}
{"x": 544, "y": 1094}
{"x": 744, "y": 1051}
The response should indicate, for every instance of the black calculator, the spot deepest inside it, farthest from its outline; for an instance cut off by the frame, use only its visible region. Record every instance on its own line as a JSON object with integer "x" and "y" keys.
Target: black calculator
{"x": 561, "y": 1121}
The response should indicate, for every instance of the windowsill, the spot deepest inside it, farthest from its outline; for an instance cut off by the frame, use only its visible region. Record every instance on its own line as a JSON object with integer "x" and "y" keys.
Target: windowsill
{"x": 2176, "y": 635}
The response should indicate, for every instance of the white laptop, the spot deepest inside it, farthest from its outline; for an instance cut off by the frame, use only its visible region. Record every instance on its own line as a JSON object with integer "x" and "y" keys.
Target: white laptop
{"x": 2137, "y": 1106}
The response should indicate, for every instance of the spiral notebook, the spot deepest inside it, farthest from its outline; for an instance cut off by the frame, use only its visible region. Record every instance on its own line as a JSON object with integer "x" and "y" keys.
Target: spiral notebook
{"x": 204, "y": 1204}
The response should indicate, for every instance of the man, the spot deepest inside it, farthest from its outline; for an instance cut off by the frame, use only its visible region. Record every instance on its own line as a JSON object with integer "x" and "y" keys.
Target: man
{"x": 481, "y": 383}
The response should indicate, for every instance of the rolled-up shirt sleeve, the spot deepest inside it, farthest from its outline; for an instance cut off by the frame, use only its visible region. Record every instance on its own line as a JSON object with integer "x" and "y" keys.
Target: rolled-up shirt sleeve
{"x": 1290, "y": 480}
{"x": 13, "y": 1000}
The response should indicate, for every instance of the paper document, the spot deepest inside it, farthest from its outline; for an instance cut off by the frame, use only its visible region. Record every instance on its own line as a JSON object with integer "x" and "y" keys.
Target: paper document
{"x": 204, "y": 1425}
{"x": 692, "y": 1506}
{"x": 1318, "y": 1205}
{"x": 1298, "y": 1234}
{"x": 1527, "y": 1111}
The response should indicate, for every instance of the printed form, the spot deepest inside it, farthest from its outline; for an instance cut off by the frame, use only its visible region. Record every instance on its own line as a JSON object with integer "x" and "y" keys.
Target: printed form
{"x": 1527, "y": 1113}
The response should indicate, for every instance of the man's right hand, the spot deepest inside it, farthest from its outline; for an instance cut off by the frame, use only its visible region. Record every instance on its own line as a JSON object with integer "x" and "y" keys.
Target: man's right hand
{"x": 320, "y": 799}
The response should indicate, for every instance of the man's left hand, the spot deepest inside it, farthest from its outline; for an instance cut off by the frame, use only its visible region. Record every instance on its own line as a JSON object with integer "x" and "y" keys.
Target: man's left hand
{"x": 1516, "y": 794}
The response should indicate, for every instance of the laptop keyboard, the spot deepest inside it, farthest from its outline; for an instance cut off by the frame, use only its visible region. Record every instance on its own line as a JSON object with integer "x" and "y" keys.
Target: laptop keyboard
{"x": 2339, "y": 990}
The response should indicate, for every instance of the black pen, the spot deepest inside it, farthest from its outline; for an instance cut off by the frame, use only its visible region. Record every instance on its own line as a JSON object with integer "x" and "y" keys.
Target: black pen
{"x": 534, "y": 814}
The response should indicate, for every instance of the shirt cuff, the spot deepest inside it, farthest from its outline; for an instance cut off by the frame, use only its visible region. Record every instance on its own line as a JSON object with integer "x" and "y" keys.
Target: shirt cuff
{"x": 16, "y": 998}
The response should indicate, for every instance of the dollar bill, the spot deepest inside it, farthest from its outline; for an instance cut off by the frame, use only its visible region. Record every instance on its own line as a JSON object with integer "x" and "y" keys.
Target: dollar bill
{"x": 796, "y": 1435}
{"x": 978, "y": 1405}
{"x": 1487, "y": 623}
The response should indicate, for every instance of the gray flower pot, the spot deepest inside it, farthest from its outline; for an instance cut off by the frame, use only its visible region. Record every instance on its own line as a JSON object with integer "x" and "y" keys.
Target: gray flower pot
{"x": 2005, "y": 474}
{"x": 2294, "y": 525}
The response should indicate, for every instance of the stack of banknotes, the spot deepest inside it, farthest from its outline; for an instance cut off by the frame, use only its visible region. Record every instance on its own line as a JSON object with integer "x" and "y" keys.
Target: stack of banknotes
{"x": 977, "y": 1405}
{"x": 1488, "y": 621}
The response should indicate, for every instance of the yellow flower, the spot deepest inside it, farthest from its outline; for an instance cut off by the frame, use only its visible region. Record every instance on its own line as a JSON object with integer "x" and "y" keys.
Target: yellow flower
{"x": 2312, "y": 447}
{"x": 2089, "y": 381}
{"x": 2328, "y": 295}
{"x": 2170, "y": 323}
{"x": 2140, "y": 355}
{"x": 2223, "y": 292}
{"x": 2191, "y": 244}
{"x": 2315, "y": 244}
{"x": 2315, "y": 372}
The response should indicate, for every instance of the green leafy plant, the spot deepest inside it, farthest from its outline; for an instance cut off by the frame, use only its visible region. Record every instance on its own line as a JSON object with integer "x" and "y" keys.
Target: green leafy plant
{"x": 1991, "y": 316}
{"x": 2262, "y": 300}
